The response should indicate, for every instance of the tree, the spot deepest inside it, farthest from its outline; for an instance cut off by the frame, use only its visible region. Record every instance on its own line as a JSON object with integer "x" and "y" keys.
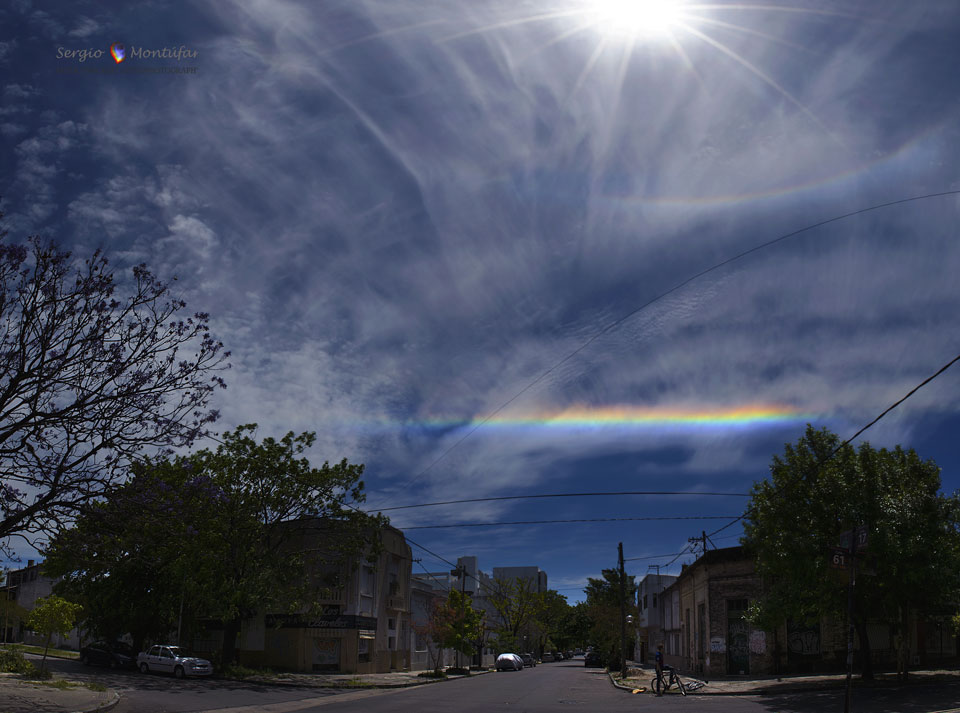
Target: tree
{"x": 558, "y": 621}
{"x": 52, "y": 615}
{"x": 89, "y": 379}
{"x": 913, "y": 530}
{"x": 517, "y": 604}
{"x": 603, "y": 610}
{"x": 456, "y": 624}
{"x": 221, "y": 535}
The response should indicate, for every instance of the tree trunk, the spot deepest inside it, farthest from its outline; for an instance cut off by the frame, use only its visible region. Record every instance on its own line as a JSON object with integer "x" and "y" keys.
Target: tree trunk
{"x": 903, "y": 649}
{"x": 43, "y": 661}
{"x": 866, "y": 672}
{"x": 229, "y": 651}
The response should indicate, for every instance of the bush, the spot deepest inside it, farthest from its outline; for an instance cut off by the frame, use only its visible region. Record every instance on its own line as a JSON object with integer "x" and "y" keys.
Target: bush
{"x": 458, "y": 671}
{"x": 432, "y": 674}
{"x": 241, "y": 672}
{"x": 12, "y": 660}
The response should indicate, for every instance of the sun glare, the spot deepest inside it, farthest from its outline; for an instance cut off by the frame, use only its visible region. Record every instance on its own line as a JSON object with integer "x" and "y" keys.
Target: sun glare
{"x": 649, "y": 18}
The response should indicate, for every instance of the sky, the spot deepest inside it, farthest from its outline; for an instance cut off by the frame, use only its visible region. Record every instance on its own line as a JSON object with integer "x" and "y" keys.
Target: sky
{"x": 431, "y": 231}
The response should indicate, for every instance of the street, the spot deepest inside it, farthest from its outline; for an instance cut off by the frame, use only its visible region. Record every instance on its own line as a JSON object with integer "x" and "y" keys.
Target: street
{"x": 553, "y": 687}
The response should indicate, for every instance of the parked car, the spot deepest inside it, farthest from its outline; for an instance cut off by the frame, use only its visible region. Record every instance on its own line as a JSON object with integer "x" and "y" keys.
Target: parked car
{"x": 172, "y": 659}
{"x": 558, "y": 656}
{"x": 510, "y": 662}
{"x": 592, "y": 659}
{"x": 115, "y": 654}
{"x": 568, "y": 654}
{"x": 528, "y": 660}
{"x": 547, "y": 657}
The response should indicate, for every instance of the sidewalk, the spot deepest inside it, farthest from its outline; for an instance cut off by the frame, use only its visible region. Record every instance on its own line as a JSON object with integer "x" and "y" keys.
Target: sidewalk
{"x": 640, "y": 677}
{"x": 21, "y": 696}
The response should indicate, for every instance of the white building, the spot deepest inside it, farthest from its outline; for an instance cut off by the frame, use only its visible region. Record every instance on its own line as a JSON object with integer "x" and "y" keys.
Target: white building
{"x": 652, "y": 610}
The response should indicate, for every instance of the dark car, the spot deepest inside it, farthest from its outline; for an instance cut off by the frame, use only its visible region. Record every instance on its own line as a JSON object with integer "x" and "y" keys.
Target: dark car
{"x": 592, "y": 659}
{"x": 115, "y": 654}
{"x": 528, "y": 660}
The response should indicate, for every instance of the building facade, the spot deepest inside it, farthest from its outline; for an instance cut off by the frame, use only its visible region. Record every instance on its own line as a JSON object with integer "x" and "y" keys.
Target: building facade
{"x": 363, "y": 626}
{"x": 23, "y": 587}
{"x": 650, "y": 620}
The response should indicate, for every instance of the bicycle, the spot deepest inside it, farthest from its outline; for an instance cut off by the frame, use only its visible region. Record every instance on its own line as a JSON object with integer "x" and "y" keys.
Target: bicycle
{"x": 659, "y": 685}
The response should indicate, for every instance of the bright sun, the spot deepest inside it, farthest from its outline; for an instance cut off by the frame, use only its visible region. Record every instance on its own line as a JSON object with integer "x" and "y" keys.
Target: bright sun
{"x": 650, "y": 18}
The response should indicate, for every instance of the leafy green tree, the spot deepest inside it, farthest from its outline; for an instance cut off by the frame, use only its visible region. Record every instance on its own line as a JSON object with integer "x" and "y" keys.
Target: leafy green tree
{"x": 456, "y": 624}
{"x": 221, "y": 535}
{"x": 52, "y": 615}
{"x": 796, "y": 515}
{"x": 555, "y": 621}
{"x": 603, "y": 611}
{"x": 516, "y": 604}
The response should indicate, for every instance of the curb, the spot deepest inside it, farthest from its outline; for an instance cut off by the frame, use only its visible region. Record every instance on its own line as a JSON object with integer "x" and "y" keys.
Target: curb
{"x": 103, "y": 707}
{"x": 351, "y": 687}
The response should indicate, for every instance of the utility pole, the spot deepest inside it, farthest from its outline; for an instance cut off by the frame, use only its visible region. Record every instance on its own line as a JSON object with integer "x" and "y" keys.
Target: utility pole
{"x": 623, "y": 613}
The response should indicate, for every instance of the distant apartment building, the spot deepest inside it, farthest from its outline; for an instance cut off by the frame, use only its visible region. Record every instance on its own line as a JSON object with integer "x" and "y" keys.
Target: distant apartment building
{"x": 470, "y": 579}
{"x": 536, "y": 576}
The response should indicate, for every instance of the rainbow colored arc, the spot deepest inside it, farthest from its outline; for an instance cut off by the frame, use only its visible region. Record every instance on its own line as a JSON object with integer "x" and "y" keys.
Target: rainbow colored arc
{"x": 638, "y": 417}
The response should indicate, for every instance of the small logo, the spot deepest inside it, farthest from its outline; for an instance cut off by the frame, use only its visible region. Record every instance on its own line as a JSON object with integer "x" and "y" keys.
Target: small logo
{"x": 116, "y": 50}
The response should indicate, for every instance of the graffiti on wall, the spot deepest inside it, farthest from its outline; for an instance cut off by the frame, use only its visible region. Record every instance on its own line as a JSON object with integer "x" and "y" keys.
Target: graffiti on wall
{"x": 758, "y": 642}
{"x": 803, "y": 640}
{"x": 718, "y": 645}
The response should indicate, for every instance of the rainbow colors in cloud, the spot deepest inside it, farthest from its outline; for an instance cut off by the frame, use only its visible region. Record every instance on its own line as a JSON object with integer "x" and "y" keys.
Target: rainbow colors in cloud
{"x": 587, "y": 417}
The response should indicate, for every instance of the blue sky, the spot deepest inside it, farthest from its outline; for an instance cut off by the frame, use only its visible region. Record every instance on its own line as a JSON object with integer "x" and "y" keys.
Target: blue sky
{"x": 400, "y": 214}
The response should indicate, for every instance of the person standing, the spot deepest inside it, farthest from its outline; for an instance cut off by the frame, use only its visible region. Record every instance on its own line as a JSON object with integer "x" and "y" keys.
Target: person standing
{"x": 658, "y": 660}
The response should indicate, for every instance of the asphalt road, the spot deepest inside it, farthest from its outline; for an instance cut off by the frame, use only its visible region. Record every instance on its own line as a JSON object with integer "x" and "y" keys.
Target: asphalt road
{"x": 554, "y": 688}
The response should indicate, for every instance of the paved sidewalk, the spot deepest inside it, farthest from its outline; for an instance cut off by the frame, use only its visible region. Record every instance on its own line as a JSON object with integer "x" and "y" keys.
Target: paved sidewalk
{"x": 640, "y": 677}
{"x": 20, "y": 696}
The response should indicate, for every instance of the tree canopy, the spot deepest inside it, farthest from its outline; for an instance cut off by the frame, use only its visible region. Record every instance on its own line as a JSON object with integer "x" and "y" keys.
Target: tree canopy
{"x": 219, "y": 535}
{"x": 603, "y": 611}
{"x": 455, "y": 624}
{"x": 52, "y": 615}
{"x": 92, "y": 372}
{"x": 799, "y": 513}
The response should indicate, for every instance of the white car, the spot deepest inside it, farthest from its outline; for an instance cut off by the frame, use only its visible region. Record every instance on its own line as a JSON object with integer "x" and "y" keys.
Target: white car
{"x": 172, "y": 659}
{"x": 509, "y": 661}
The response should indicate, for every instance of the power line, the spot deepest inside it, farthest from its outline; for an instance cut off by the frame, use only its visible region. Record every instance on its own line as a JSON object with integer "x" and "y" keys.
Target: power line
{"x": 558, "y": 495}
{"x": 893, "y": 406}
{"x": 651, "y": 557}
{"x": 551, "y": 522}
{"x": 617, "y": 322}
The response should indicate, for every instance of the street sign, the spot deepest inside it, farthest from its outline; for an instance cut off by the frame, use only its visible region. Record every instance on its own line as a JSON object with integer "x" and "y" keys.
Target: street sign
{"x": 859, "y": 538}
{"x": 839, "y": 558}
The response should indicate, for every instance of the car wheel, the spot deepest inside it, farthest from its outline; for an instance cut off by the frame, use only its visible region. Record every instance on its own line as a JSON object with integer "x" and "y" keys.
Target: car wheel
{"x": 144, "y": 668}
{"x": 178, "y": 672}
{"x": 84, "y": 659}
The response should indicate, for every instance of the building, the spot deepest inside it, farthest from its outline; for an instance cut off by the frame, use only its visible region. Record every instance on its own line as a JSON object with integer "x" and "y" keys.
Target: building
{"x": 24, "y": 587}
{"x": 650, "y": 622}
{"x": 536, "y": 576}
{"x": 363, "y": 625}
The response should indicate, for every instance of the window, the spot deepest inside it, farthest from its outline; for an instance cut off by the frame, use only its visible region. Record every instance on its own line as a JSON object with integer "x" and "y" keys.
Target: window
{"x": 644, "y": 601}
{"x": 363, "y": 652}
{"x": 736, "y": 607}
{"x": 654, "y": 601}
{"x": 420, "y": 644}
{"x": 391, "y": 623}
{"x": 366, "y": 581}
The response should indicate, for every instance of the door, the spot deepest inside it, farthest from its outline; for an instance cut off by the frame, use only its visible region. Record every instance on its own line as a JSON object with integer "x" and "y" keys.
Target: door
{"x": 738, "y": 638}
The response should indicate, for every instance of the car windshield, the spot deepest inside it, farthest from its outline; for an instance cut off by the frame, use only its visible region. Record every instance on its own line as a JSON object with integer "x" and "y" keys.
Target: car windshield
{"x": 121, "y": 647}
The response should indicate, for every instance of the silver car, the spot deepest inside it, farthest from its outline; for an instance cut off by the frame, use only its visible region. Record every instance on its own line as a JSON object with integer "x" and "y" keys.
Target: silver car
{"x": 509, "y": 661}
{"x": 172, "y": 659}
